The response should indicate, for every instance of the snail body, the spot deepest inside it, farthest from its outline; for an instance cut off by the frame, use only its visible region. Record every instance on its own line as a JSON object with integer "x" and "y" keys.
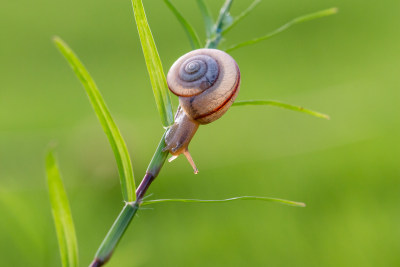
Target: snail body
{"x": 207, "y": 83}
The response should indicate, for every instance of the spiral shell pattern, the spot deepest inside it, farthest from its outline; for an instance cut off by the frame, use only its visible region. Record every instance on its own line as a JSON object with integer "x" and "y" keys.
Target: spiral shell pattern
{"x": 206, "y": 81}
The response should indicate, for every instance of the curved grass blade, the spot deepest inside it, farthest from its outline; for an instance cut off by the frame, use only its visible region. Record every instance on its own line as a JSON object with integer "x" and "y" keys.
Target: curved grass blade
{"x": 241, "y": 16}
{"x": 189, "y": 30}
{"x": 281, "y": 105}
{"x": 61, "y": 214}
{"x": 207, "y": 17}
{"x": 103, "y": 114}
{"x": 268, "y": 199}
{"x": 316, "y": 15}
{"x": 154, "y": 65}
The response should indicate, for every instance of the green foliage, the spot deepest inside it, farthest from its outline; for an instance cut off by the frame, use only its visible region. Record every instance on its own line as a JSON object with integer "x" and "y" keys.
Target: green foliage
{"x": 190, "y": 32}
{"x": 103, "y": 114}
{"x": 207, "y": 17}
{"x": 312, "y": 16}
{"x": 223, "y": 13}
{"x": 281, "y": 105}
{"x": 219, "y": 25}
{"x": 241, "y": 16}
{"x": 346, "y": 170}
{"x": 154, "y": 66}
{"x": 62, "y": 216}
{"x": 268, "y": 199}
{"x": 224, "y": 23}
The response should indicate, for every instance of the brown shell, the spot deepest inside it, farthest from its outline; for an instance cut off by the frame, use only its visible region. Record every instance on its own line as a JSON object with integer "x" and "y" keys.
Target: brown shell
{"x": 212, "y": 96}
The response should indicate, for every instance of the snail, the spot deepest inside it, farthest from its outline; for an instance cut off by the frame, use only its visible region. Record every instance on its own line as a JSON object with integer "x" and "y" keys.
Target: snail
{"x": 207, "y": 83}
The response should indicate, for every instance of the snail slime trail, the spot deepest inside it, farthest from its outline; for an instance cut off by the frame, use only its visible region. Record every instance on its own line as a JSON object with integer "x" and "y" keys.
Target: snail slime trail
{"x": 207, "y": 83}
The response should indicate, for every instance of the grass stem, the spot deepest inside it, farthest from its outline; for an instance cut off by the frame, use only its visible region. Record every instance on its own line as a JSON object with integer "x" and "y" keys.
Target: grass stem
{"x": 115, "y": 233}
{"x": 219, "y": 25}
{"x": 122, "y": 222}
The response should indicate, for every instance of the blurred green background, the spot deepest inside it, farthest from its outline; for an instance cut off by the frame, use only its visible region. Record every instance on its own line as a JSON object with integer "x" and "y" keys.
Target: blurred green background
{"x": 346, "y": 169}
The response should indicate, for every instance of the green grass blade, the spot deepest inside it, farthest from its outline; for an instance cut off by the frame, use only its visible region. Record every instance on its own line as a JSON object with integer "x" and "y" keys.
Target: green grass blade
{"x": 316, "y": 15}
{"x": 154, "y": 66}
{"x": 241, "y": 16}
{"x": 62, "y": 214}
{"x": 189, "y": 30}
{"x": 103, "y": 114}
{"x": 219, "y": 25}
{"x": 281, "y": 105}
{"x": 269, "y": 199}
{"x": 207, "y": 17}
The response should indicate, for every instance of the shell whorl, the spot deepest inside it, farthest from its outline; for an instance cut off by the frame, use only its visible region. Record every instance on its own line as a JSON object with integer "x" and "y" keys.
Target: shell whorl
{"x": 207, "y": 83}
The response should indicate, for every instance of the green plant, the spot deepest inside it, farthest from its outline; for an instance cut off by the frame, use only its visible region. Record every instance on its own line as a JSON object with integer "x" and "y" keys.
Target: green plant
{"x": 133, "y": 197}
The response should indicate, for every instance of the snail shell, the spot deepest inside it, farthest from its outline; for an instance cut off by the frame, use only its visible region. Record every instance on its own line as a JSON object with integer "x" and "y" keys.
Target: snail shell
{"x": 207, "y": 83}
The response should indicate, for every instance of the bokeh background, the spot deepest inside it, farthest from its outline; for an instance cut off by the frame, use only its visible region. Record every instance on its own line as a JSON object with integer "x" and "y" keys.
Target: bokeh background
{"x": 346, "y": 169}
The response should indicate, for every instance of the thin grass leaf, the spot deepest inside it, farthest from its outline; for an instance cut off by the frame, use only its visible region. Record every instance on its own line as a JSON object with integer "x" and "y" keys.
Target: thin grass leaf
{"x": 316, "y": 15}
{"x": 61, "y": 214}
{"x": 281, "y": 105}
{"x": 189, "y": 30}
{"x": 103, "y": 114}
{"x": 269, "y": 199}
{"x": 207, "y": 17}
{"x": 219, "y": 25}
{"x": 154, "y": 66}
{"x": 241, "y": 16}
